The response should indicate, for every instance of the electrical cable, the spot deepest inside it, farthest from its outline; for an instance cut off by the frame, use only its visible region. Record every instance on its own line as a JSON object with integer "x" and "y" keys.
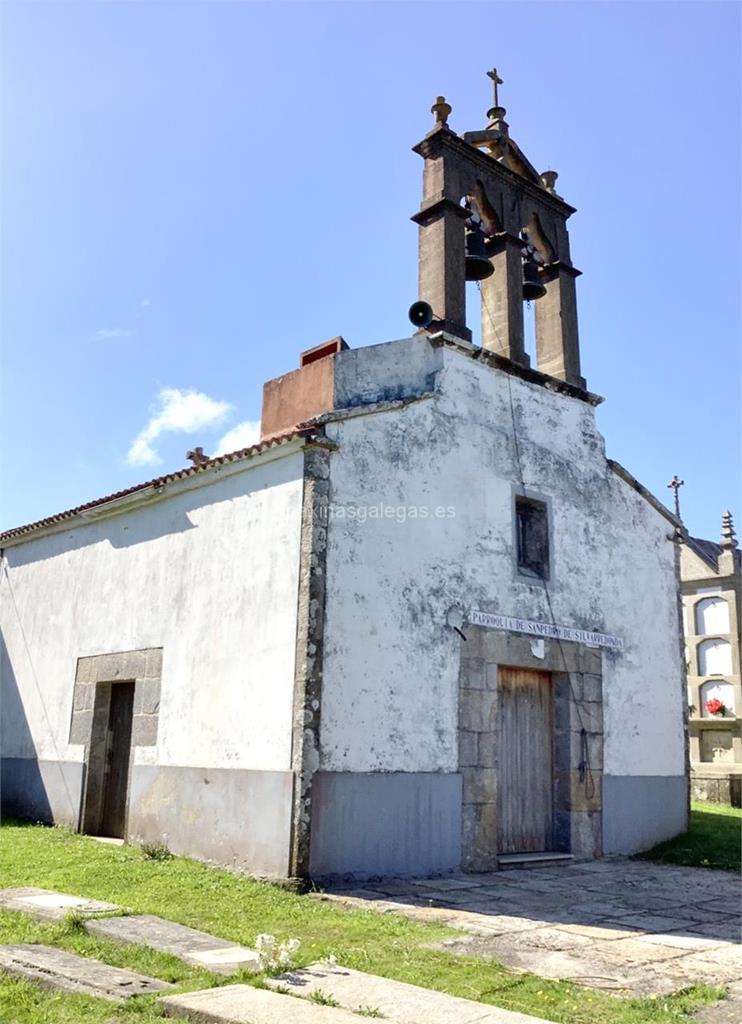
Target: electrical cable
{"x": 585, "y": 768}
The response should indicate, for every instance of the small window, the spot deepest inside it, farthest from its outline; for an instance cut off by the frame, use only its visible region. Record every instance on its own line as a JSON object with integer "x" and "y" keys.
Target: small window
{"x": 532, "y": 536}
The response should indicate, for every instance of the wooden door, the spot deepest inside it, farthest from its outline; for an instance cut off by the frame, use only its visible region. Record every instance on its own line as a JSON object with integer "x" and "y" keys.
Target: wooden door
{"x": 118, "y": 751}
{"x": 525, "y": 770}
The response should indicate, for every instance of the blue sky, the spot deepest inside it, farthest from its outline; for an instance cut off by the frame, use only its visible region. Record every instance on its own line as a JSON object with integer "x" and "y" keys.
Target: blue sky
{"x": 193, "y": 193}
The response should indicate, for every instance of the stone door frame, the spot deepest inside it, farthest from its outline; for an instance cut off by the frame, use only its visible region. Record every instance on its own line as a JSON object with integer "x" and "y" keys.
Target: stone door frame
{"x": 90, "y": 710}
{"x": 577, "y": 686}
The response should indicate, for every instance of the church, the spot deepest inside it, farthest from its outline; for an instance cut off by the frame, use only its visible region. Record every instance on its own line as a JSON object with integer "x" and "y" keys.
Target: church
{"x": 424, "y": 625}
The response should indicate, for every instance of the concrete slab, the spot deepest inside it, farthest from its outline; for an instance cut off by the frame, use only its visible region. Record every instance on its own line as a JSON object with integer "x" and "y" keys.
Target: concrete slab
{"x": 730, "y": 954}
{"x": 396, "y": 887}
{"x": 444, "y": 884}
{"x": 652, "y": 923}
{"x": 46, "y": 905}
{"x": 199, "y": 948}
{"x": 394, "y": 1000}
{"x": 703, "y": 970}
{"x": 690, "y": 943}
{"x": 630, "y": 952}
{"x": 729, "y": 930}
{"x": 498, "y": 924}
{"x": 598, "y": 932}
{"x": 243, "y": 1004}
{"x": 722, "y": 905}
{"x": 548, "y": 960}
{"x": 550, "y": 939}
{"x": 67, "y": 972}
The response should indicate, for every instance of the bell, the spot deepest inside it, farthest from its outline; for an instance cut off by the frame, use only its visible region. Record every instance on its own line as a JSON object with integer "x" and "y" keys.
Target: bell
{"x": 532, "y": 287}
{"x": 477, "y": 266}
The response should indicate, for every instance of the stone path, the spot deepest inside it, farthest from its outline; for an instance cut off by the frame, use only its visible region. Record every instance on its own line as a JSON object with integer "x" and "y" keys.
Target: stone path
{"x": 394, "y": 1000}
{"x": 57, "y": 969}
{"x": 50, "y": 906}
{"x": 243, "y": 1004}
{"x": 194, "y": 947}
{"x": 629, "y": 927}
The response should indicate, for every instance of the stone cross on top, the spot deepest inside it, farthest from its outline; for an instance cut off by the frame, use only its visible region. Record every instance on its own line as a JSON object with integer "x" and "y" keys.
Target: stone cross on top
{"x": 675, "y": 484}
{"x": 496, "y": 80}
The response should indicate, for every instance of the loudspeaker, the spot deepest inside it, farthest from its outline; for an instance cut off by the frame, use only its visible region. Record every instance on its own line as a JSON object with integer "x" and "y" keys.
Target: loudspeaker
{"x": 421, "y": 314}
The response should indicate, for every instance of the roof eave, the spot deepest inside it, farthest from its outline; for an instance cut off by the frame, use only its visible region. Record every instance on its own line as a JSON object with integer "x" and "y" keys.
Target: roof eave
{"x": 188, "y": 478}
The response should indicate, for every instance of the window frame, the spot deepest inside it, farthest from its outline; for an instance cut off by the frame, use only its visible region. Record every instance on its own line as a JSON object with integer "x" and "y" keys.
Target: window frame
{"x": 523, "y": 497}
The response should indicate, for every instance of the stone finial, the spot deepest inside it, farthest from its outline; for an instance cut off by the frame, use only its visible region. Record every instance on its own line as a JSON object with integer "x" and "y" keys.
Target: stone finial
{"x": 497, "y": 121}
{"x": 441, "y": 109}
{"x": 728, "y": 536}
{"x": 548, "y": 180}
{"x": 197, "y": 457}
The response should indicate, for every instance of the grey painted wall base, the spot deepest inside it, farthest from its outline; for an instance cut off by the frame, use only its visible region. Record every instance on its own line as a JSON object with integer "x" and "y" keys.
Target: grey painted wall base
{"x": 370, "y": 824}
{"x": 640, "y": 811}
{"x": 48, "y": 791}
{"x": 237, "y": 818}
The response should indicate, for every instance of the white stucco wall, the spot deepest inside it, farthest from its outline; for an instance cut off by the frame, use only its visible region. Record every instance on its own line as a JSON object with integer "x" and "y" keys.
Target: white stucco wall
{"x": 208, "y": 573}
{"x": 391, "y": 664}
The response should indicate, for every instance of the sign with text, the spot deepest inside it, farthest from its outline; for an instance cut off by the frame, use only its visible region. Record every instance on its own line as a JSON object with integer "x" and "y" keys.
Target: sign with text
{"x": 544, "y": 629}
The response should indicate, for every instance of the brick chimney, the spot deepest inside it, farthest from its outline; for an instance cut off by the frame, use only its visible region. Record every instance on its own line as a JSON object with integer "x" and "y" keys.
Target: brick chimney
{"x": 303, "y": 393}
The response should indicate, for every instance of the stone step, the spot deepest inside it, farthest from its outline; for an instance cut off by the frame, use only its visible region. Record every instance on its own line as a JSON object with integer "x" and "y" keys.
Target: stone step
{"x": 67, "y": 972}
{"x": 395, "y": 1000}
{"x": 46, "y": 905}
{"x": 243, "y": 1004}
{"x": 198, "y": 948}
{"x": 508, "y": 861}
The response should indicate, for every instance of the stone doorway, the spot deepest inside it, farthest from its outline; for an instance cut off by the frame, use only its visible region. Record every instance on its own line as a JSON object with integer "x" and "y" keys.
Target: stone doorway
{"x": 575, "y": 710}
{"x": 116, "y": 705}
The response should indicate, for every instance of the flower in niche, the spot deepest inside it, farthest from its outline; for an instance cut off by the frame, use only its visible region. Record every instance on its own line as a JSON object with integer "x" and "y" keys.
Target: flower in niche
{"x": 715, "y": 706}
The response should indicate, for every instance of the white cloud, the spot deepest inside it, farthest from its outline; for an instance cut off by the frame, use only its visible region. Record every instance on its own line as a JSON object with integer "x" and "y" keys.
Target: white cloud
{"x": 113, "y": 332}
{"x": 241, "y": 436}
{"x": 144, "y": 303}
{"x": 174, "y": 411}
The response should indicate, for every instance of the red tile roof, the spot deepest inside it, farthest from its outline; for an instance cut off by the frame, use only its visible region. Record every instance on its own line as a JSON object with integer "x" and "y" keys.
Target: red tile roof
{"x": 308, "y": 433}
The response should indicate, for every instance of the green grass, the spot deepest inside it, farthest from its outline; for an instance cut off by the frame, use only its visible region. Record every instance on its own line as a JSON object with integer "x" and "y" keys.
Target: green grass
{"x": 239, "y": 908}
{"x": 714, "y": 840}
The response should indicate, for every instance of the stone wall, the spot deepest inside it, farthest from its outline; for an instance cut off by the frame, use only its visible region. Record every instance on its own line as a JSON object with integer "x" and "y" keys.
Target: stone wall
{"x": 577, "y": 693}
{"x": 717, "y": 786}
